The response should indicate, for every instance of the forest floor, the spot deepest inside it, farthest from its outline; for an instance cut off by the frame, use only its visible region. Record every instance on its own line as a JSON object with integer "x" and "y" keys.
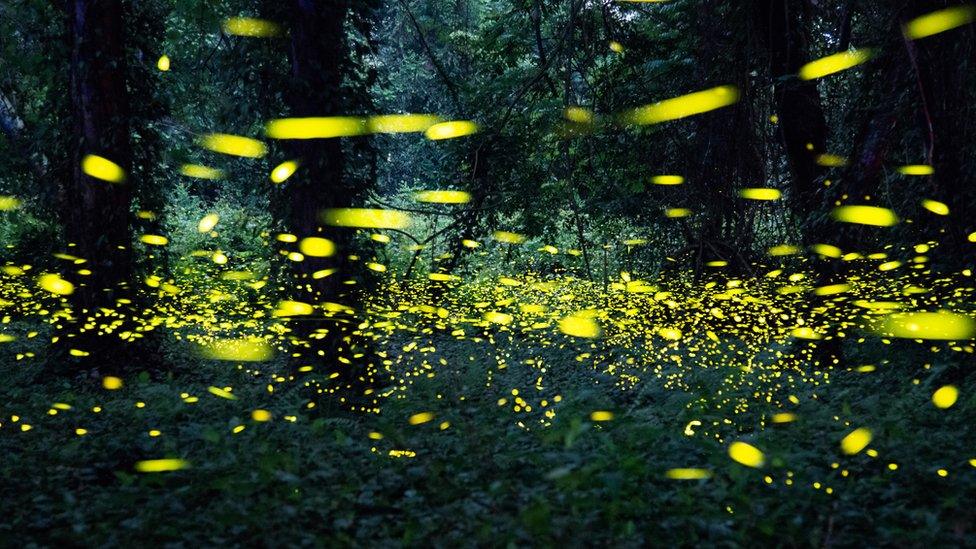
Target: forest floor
{"x": 610, "y": 423}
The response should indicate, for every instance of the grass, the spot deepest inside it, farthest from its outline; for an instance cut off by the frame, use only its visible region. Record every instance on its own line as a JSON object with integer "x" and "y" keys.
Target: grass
{"x": 484, "y": 479}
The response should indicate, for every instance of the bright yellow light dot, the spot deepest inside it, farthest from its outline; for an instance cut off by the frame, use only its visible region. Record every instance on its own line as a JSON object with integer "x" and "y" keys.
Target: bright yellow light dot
{"x": 936, "y": 207}
{"x": 161, "y": 465}
{"x": 945, "y": 396}
{"x": 55, "y": 284}
{"x": 420, "y": 418}
{"x": 250, "y": 27}
{"x": 746, "y": 454}
{"x": 916, "y": 169}
{"x": 401, "y": 123}
{"x": 939, "y": 21}
{"x": 942, "y": 473}
{"x": 314, "y": 246}
{"x": 222, "y": 393}
{"x": 507, "y": 237}
{"x": 443, "y": 197}
{"x": 831, "y": 160}
{"x": 102, "y": 168}
{"x": 941, "y": 325}
{"x": 683, "y": 106}
{"x": 498, "y": 318}
{"x": 667, "y": 179}
{"x": 855, "y": 441}
{"x": 601, "y": 415}
{"x": 783, "y": 249}
{"x": 783, "y": 417}
{"x": 111, "y": 383}
{"x": 865, "y": 215}
{"x": 670, "y": 334}
{"x": 366, "y": 218}
{"x": 827, "y": 250}
{"x": 452, "y": 129}
{"x": 579, "y": 115}
{"x": 207, "y": 223}
{"x": 760, "y": 194}
{"x": 805, "y": 332}
{"x": 834, "y": 63}
{"x": 687, "y": 474}
{"x": 234, "y": 145}
{"x": 163, "y": 63}
{"x": 579, "y": 326}
{"x": 154, "y": 240}
{"x": 283, "y": 171}
{"x": 8, "y": 203}
{"x": 242, "y": 350}
{"x": 201, "y": 172}
{"x": 81, "y": 432}
{"x": 316, "y": 127}
{"x": 832, "y": 289}
{"x": 261, "y": 415}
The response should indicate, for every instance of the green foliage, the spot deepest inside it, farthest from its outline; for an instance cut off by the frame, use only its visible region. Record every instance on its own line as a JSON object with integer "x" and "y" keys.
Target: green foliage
{"x": 490, "y": 475}
{"x": 484, "y": 479}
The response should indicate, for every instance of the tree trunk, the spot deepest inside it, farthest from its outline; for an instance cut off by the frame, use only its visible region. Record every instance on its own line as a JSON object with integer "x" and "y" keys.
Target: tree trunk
{"x": 318, "y": 52}
{"x": 568, "y": 158}
{"x": 801, "y": 118}
{"x": 95, "y": 212}
{"x": 319, "y": 55}
{"x": 945, "y": 84}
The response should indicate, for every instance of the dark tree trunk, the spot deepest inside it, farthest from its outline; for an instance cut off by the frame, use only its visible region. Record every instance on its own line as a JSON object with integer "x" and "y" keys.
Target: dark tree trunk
{"x": 726, "y": 156}
{"x": 946, "y": 99}
{"x": 96, "y": 213}
{"x": 319, "y": 58}
{"x": 568, "y": 158}
{"x": 803, "y": 127}
{"x": 318, "y": 53}
{"x": 801, "y": 118}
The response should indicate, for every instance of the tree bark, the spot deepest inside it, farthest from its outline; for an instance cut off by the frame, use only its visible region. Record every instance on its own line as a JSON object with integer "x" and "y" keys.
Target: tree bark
{"x": 801, "y": 123}
{"x": 96, "y": 213}
{"x": 319, "y": 60}
{"x": 318, "y": 53}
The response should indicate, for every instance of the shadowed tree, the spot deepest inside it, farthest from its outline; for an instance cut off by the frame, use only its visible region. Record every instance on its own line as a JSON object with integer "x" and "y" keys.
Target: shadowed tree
{"x": 95, "y": 212}
{"x": 802, "y": 124}
{"x": 945, "y": 106}
{"x": 319, "y": 56}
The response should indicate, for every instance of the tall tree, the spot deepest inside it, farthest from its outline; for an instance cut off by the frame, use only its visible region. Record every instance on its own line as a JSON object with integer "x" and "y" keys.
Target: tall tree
{"x": 725, "y": 149}
{"x": 319, "y": 63}
{"x": 96, "y": 213}
{"x": 946, "y": 94}
{"x": 782, "y": 28}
